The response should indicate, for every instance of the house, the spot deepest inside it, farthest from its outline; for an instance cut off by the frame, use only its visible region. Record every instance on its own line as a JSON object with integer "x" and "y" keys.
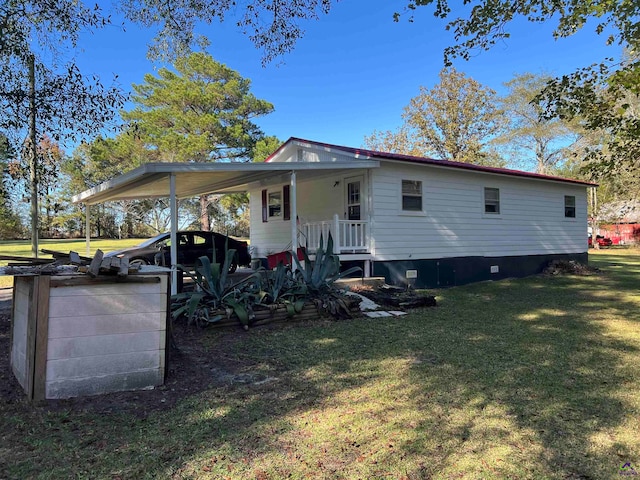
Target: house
{"x": 431, "y": 222}
{"x": 435, "y": 223}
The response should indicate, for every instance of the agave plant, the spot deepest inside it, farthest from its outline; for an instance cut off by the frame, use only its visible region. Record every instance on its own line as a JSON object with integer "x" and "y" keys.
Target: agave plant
{"x": 213, "y": 292}
{"x": 320, "y": 275}
{"x": 281, "y": 287}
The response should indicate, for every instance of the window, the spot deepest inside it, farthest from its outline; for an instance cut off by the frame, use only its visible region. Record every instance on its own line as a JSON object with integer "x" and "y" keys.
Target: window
{"x": 201, "y": 240}
{"x": 570, "y": 206}
{"x": 412, "y": 195}
{"x": 183, "y": 240}
{"x": 275, "y": 204}
{"x": 491, "y": 200}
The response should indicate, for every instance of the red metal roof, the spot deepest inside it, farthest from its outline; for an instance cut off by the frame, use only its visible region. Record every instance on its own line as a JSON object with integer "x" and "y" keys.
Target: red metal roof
{"x": 431, "y": 161}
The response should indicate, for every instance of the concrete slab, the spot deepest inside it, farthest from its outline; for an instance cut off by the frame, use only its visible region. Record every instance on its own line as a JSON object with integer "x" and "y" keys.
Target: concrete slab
{"x": 378, "y": 314}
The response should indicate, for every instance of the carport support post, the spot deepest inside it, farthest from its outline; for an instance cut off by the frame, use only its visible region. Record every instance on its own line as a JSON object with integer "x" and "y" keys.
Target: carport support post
{"x": 294, "y": 219}
{"x": 87, "y": 228}
{"x": 173, "y": 208}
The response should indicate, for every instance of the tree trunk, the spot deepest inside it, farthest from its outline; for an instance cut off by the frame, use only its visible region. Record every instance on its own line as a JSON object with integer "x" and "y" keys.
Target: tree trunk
{"x": 98, "y": 232}
{"x": 33, "y": 163}
{"x": 82, "y": 219}
{"x": 204, "y": 213}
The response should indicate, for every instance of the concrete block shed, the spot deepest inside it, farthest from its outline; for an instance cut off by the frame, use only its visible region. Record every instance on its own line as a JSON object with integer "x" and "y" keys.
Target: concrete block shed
{"x": 73, "y": 335}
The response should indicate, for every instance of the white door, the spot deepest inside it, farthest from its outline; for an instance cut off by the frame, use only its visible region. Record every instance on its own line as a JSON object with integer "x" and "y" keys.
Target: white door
{"x": 352, "y": 234}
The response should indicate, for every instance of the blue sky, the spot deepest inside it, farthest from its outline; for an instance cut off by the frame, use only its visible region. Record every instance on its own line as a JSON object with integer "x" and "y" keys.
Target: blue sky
{"x": 354, "y": 70}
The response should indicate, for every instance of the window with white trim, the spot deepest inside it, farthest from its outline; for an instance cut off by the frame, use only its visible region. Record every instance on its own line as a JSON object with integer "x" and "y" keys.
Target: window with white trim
{"x": 570, "y": 206}
{"x": 411, "y": 195}
{"x": 275, "y": 204}
{"x": 491, "y": 200}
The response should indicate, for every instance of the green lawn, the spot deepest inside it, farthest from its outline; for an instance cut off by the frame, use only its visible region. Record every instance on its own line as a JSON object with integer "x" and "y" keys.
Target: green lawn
{"x": 536, "y": 378}
{"x": 22, "y": 248}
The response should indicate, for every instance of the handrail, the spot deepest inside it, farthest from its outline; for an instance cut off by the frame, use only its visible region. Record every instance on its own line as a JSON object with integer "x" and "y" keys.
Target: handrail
{"x": 349, "y": 236}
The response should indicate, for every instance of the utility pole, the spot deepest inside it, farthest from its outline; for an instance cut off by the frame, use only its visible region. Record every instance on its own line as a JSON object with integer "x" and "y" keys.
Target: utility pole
{"x": 33, "y": 163}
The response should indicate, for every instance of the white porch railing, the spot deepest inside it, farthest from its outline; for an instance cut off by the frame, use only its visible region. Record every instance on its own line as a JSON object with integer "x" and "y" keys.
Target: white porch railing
{"x": 349, "y": 236}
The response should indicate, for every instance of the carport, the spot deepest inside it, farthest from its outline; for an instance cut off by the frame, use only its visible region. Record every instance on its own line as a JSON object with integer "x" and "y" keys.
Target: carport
{"x": 185, "y": 180}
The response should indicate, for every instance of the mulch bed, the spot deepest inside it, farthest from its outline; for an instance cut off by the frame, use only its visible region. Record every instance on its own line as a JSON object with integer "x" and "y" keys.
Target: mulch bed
{"x": 388, "y": 296}
{"x": 569, "y": 267}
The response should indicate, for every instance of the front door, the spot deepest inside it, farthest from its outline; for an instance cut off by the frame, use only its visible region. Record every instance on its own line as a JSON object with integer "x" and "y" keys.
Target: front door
{"x": 354, "y": 198}
{"x": 351, "y": 234}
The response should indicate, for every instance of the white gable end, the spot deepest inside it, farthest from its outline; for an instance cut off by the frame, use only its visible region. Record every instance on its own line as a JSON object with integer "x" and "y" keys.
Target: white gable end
{"x": 302, "y": 152}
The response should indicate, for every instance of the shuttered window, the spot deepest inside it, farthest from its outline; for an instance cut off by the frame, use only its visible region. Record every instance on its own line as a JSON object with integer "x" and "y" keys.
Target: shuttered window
{"x": 265, "y": 211}
{"x": 286, "y": 202}
{"x": 276, "y": 203}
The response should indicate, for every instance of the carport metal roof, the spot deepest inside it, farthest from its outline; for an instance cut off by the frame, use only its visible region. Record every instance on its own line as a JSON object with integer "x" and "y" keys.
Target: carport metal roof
{"x": 193, "y": 179}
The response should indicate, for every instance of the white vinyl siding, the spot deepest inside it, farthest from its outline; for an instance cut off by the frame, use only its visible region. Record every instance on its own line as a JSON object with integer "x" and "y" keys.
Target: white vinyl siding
{"x": 314, "y": 154}
{"x": 531, "y": 219}
{"x": 453, "y": 222}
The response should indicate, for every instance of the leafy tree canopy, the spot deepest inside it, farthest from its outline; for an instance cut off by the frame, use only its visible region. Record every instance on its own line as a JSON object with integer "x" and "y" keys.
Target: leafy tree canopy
{"x": 274, "y": 26}
{"x": 203, "y": 111}
{"x": 599, "y": 95}
{"x": 265, "y": 147}
{"x": 68, "y": 104}
{"x": 454, "y": 120}
{"x": 487, "y": 21}
{"x": 530, "y": 138}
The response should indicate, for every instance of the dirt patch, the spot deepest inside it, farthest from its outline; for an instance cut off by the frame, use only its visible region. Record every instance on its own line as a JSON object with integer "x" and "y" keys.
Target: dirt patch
{"x": 192, "y": 369}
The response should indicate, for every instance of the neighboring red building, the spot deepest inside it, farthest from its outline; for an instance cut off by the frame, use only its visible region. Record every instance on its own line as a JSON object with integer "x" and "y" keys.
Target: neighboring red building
{"x": 620, "y": 221}
{"x": 622, "y": 233}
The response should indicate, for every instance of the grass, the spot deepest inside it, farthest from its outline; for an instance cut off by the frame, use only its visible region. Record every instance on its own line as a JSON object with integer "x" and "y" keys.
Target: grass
{"x": 22, "y": 248}
{"x": 536, "y": 378}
